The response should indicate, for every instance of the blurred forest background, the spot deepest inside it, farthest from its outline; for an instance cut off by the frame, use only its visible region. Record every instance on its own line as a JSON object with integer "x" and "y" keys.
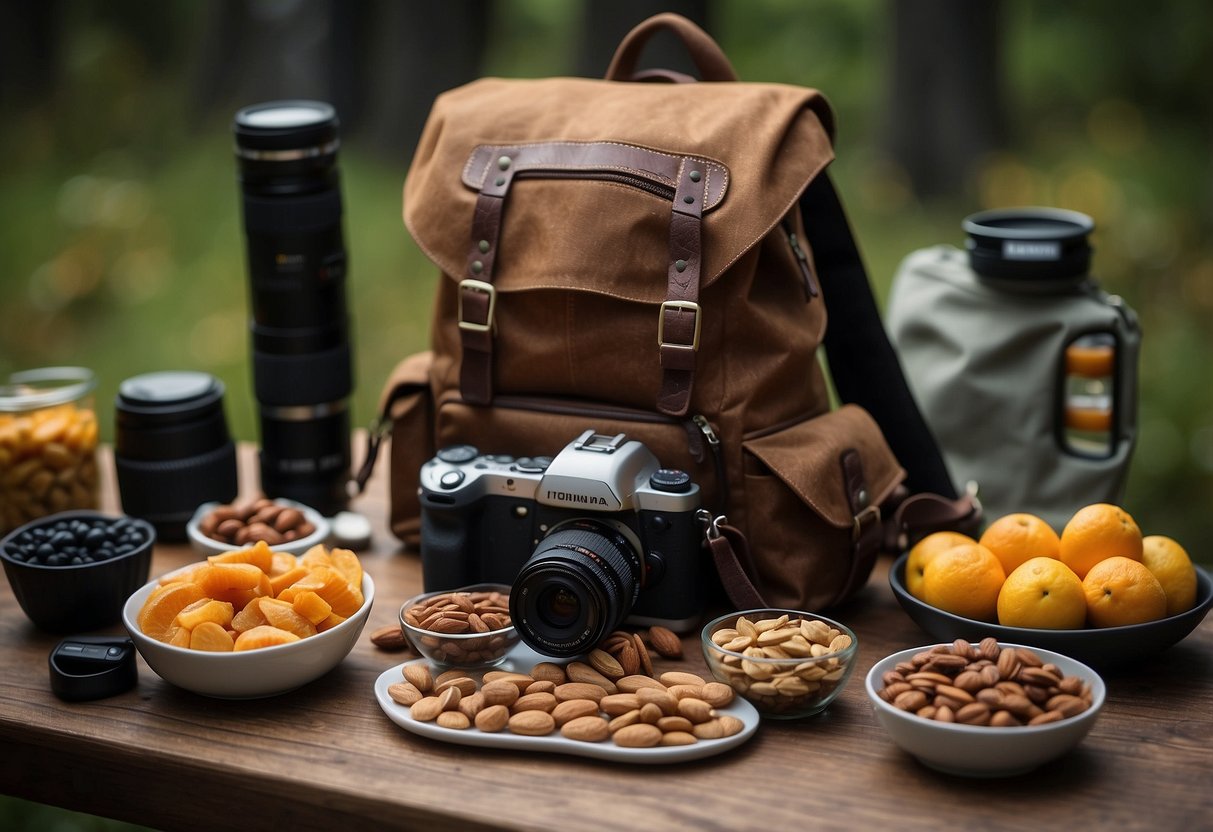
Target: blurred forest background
{"x": 119, "y": 213}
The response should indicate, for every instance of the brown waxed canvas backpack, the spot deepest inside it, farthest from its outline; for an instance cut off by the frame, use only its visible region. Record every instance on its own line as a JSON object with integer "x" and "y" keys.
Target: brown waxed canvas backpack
{"x": 651, "y": 255}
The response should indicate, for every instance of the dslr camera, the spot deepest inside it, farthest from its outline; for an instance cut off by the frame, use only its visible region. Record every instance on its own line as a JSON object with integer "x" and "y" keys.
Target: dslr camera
{"x": 597, "y": 535}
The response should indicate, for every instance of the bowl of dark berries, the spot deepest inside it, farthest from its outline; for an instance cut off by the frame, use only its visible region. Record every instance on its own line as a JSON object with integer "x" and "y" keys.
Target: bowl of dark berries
{"x": 73, "y": 571}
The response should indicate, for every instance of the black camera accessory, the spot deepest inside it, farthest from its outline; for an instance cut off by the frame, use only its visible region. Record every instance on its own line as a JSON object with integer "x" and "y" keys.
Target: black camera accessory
{"x": 1029, "y": 243}
{"x": 302, "y": 365}
{"x": 92, "y": 667}
{"x": 172, "y": 448}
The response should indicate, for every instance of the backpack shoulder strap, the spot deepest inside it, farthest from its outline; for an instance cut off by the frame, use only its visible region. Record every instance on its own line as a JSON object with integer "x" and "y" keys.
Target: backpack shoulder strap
{"x": 863, "y": 363}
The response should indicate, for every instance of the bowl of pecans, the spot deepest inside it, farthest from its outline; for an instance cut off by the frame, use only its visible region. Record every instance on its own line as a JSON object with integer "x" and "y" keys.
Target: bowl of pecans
{"x": 787, "y": 664}
{"x": 990, "y": 709}
{"x": 465, "y": 627}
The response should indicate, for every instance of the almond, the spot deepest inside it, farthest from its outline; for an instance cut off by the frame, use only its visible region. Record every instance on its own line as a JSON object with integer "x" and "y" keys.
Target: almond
{"x": 606, "y": 664}
{"x": 717, "y": 694}
{"x": 646, "y": 661}
{"x": 586, "y": 729}
{"x": 579, "y": 690}
{"x": 492, "y": 719}
{"x": 427, "y": 709}
{"x": 454, "y": 720}
{"x": 389, "y": 638}
{"x": 711, "y": 729}
{"x": 639, "y": 735}
{"x": 469, "y": 706}
{"x": 677, "y": 738}
{"x": 674, "y": 723}
{"x": 666, "y": 642}
{"x": 519, "y": 680}
{"x": 628, "y": 658}
{"x": 549, "y": 672}
{"x": 532, "y": 723}
{"x": 419, "y": 675}
{"x": 542, "y": 686}
{"x": 582, "y": 672}
{"x": 404, "y": 693}
{"x": 624, "y": 720}
{"x": 730, "y": 725}
{"x": 695, "y": 710}
{"x": 466, "y": 685}
{"x": 631, "y": 684}
{"x": 544, "y": 702}
{"x": 615, "y": 704}
{"x": 573, "y": 709}
{"x": 500, "y": 692}
{"x": 677, "y": 677}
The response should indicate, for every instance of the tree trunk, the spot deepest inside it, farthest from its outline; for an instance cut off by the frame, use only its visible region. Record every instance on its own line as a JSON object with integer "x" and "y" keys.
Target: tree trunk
{"x": 946, "y": 111}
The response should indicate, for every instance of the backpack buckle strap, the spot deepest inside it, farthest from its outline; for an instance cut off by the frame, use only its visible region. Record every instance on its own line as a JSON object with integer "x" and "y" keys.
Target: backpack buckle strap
{"x": 477, "y": 298}
{"x": 677, "y": 331}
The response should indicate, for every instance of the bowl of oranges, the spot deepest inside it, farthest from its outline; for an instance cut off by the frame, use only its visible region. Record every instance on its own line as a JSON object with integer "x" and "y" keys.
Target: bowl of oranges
{"x": 1100, "y": 591}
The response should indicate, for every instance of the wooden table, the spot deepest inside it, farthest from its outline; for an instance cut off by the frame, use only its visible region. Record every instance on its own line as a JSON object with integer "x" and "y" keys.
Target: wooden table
{"x": 326, "y": 757}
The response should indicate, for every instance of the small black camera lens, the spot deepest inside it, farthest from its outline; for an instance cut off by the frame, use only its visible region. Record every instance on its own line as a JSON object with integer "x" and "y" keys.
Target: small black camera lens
{"x": 580, "y": 584}
{"x": 172, "y": 449}
{"x": 1035, "y": 244}
{"x": 300, "y": 331}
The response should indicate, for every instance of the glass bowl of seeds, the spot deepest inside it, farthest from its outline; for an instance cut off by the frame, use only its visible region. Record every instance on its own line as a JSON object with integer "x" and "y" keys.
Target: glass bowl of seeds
{"x": 466, "y": 627}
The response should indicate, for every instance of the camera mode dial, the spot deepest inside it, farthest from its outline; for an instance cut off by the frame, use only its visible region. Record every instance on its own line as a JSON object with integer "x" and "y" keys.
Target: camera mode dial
{"x": 670, "y": 480}
{"x": 458, "y": 454}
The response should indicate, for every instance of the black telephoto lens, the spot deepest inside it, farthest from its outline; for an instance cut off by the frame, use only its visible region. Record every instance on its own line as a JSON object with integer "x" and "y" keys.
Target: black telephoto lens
{"x": 302, "y": 364}
{"x": 578, "y": 586}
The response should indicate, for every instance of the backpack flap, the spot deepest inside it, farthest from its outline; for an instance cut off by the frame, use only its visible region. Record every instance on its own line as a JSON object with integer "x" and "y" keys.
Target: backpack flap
{"x": 529, "y": 194}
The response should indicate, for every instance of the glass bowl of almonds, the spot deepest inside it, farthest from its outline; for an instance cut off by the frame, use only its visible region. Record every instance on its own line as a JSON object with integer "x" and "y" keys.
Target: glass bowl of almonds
{"x": 466, "y": 627}
{"x": 787, "y": 664}
{"x": 986, "y": 709}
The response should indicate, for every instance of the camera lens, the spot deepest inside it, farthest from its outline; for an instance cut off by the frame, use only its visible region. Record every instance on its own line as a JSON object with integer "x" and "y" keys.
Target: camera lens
{"x": 578, "y": 585}
{"x": 172, "y": 450}
{"x": 302, "y": 364}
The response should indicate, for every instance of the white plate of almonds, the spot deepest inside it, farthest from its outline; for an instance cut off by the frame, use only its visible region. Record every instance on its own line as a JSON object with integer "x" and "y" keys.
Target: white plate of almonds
{"x": 531, "y": 703}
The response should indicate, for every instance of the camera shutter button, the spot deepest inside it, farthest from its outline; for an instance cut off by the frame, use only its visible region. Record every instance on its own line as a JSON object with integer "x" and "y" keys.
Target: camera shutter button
{"x": 671, "y": 480}
{"x": 451, "y": 479}
{"x": 458, "y": 454}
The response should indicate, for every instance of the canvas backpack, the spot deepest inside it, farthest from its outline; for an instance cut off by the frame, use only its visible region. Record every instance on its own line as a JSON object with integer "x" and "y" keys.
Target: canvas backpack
{"x": 654, "y": 256}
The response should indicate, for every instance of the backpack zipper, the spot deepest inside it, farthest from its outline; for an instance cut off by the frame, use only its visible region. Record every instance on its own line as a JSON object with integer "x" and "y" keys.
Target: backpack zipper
{"x": 666, "y": 192}
{"x": 802, "y": 260}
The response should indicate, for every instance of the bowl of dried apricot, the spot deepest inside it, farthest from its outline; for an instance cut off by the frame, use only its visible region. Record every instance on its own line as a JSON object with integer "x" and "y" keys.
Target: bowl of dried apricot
{"x": 465, "y": 627}
{"x": 990, "y": 709}
{"x": 253, "y": 622}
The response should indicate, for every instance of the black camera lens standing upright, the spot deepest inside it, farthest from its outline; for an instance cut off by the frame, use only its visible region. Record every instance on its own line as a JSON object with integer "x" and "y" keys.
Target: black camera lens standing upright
{"x": 302, "y": 366}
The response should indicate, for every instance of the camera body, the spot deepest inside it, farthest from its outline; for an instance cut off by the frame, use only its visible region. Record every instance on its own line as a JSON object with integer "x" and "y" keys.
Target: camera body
{"x": 601, "y": 527}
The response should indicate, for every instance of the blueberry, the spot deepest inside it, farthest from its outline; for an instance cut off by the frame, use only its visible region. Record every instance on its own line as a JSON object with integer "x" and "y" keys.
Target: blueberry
{"x": 58, "y": 559}
{"x": 45, "y": 550}
{"x": 62, "y": 538}
{"x": 17, "y": 554}
{"x": 94, "y": 538}
{"x": 76, "y": 561}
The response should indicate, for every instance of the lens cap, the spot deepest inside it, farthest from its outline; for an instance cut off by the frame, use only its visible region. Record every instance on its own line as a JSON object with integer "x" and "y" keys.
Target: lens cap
{"x": 1029, "y": 243}
{"x": 84, "y": 668}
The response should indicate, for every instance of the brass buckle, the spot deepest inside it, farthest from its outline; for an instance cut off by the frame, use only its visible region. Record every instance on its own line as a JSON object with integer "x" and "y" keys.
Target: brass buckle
{"x": 678, "y": 304}
{"x": 871, "y": 512}
{"x": 484, "y": 288}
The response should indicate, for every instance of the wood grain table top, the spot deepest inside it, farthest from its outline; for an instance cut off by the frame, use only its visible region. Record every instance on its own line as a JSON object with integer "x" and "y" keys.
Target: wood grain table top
{"x": 326, "y": 757}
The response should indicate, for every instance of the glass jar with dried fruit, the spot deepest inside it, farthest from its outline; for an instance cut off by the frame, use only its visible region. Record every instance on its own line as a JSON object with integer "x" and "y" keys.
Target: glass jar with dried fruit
{"x": 48, "y": 443}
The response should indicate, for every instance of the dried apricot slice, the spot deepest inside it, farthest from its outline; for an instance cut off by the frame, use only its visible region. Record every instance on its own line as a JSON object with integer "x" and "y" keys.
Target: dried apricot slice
{"x": 316, "y": 556}
{"x": 258, "y": 555}
{"x": 180, "y": 636}
{"x": 346, "y": 562}
{"x": 159, "y": 612}
{"x": 282, "y": 580}
{"x": 237, "y": 583}
{"x": 282, "y": 615}
{"x": 329, "y": 623}
{"x": 330, "y": 585}
{"x": 211, "y": 637}
{"x": 282, "y": 562}
{"x": 185, "y": 573}
{"x": 208, "y": 609}
{"x": 312, "y": 607}
{"x": 263, "y": 636}
{"x": 249, "y": 617}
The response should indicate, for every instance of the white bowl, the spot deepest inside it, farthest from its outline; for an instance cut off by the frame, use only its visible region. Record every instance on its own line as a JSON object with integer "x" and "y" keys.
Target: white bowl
{"x": 205, "y": 546}
{"x": 249, "y": 674}
{"x": 984, "y": 751}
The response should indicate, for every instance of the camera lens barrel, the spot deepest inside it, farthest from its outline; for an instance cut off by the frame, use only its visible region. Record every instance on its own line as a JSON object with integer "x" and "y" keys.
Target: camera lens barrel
{"x": 579, "y": 585}
{"x": 1036, "y": 244}
{"x": 172, "y": 449}
{"x": 301, "y": 357}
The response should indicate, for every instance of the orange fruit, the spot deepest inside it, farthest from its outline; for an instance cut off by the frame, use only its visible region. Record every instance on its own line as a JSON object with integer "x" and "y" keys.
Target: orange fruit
{"x": 923, "y": 551}
{"x": 1169, "y": 562}
{"x": 1122, "y": 591}
{"x": 1097, "y": 532}
{"x": 1017, "y": 538}
{"x": 1043, "y": 593}
{"x": 964, "y": 580}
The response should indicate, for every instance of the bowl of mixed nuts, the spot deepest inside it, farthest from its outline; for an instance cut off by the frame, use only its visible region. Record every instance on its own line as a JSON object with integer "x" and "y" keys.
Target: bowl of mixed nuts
{"x": 990, "y": 709}
{"x": 787, "y": 664}
{"x": 465, "y": 627}
{"x": 284, "y": 525}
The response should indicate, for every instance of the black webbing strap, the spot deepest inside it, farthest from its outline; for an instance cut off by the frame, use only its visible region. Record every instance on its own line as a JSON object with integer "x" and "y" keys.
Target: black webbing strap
{"x": 863, "y": 364}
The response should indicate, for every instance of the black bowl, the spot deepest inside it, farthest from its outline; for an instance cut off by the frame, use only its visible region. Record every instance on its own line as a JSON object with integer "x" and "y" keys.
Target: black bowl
{"x": 76, "y": 598}
{"x": 1103, "y": 647}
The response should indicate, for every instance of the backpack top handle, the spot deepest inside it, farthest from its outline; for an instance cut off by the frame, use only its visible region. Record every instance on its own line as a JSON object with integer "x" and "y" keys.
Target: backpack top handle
{"x": 707, "y": 55}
